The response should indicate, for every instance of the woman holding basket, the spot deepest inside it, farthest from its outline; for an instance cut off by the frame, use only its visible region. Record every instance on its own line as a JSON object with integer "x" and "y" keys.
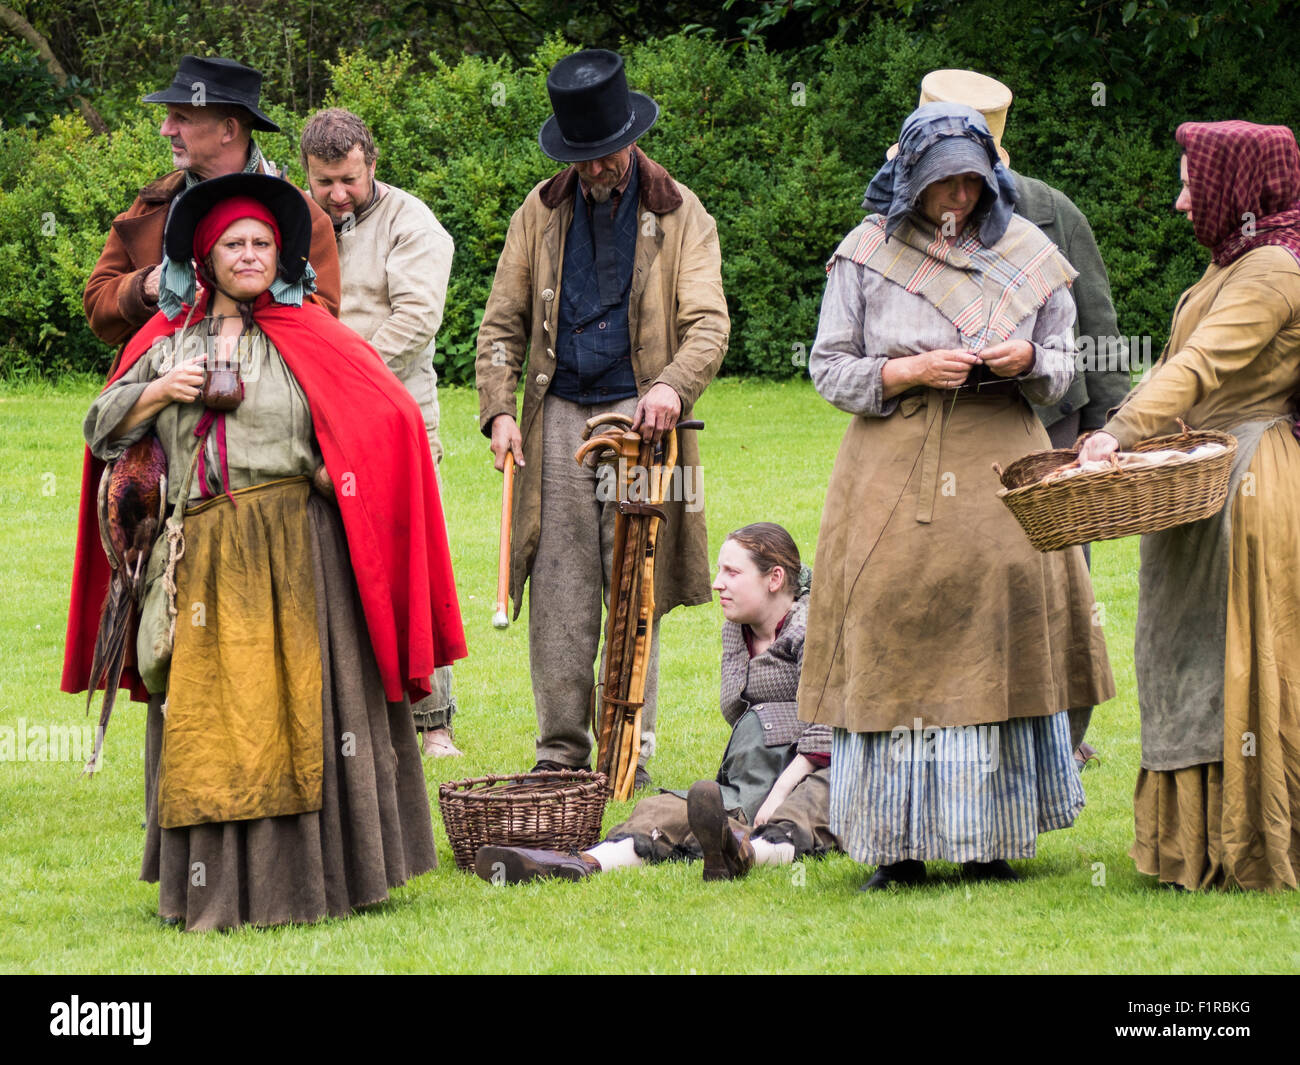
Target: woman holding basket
{"x": 1218, "y": 631}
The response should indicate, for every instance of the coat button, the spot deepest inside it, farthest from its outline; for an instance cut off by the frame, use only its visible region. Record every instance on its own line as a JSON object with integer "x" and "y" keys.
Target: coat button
{"x": 548, "y": 294}
{"x": 603, "y": 324}
{"x": 542, "y": 379}
{"x": 578, "y": 330}
{"x": 767, "y": 727}
{"x": 550, "y": 352}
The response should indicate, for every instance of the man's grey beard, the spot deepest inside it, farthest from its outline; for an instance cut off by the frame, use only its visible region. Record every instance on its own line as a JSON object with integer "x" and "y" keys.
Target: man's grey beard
{"x": 600, "y": 193}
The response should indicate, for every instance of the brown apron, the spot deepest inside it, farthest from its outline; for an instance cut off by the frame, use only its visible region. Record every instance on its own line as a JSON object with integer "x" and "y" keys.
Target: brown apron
{"x": 242, "y": 734}
{"x": 928, "y": 602}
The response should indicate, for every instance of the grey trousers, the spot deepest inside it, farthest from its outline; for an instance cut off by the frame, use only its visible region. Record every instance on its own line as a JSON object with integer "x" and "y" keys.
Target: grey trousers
{"x": 567, "y": 589}
{"x": 1063, "y": 434}
{"x": 435, "y": 710}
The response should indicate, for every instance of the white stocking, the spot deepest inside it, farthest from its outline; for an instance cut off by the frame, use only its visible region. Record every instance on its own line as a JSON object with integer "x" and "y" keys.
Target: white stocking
{"x": 615, "y": 855}
{"x": 768, "y": 853}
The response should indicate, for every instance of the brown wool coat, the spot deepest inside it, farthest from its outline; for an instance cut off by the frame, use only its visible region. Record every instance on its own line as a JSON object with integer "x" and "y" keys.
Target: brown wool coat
{"x": 114, "y": 298}
{"x": 679, "y": 330}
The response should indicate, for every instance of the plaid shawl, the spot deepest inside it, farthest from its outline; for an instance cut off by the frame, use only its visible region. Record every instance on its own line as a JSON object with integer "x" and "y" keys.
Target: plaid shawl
{"x": 1244, "y": 181}
{"x": 984, "y": 291}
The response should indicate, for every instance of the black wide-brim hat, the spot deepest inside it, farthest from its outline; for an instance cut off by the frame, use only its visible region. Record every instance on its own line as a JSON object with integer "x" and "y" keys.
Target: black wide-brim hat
{"x": 282, "y": 199}
{"x": 595, "y": 113}
{"x": 216, "y": 81}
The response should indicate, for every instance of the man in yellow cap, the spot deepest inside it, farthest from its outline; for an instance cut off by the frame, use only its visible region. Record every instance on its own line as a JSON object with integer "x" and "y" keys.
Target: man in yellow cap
{"x": 1100, "y": 383}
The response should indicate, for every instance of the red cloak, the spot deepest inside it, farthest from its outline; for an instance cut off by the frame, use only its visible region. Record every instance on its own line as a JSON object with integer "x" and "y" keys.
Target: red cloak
{"x": 372, "y": 438}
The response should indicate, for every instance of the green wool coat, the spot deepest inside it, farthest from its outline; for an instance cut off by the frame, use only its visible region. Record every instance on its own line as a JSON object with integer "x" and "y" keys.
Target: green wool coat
{"x": 1094, "y": 391}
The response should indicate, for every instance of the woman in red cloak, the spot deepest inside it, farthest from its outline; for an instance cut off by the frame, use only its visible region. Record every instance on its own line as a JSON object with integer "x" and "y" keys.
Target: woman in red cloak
{"x": 313, "y": 587}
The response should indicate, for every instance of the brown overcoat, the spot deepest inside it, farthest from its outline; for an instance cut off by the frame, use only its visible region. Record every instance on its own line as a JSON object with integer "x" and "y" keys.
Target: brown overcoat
{"x": 679, "y": 329}
{"x": 114, "y": 299}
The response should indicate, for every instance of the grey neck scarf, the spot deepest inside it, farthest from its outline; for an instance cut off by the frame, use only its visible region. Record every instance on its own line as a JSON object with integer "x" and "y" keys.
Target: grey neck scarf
{"x": 898, "y": 184}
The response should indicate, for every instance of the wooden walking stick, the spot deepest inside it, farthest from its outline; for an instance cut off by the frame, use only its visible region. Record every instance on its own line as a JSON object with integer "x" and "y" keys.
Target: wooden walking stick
{"x": 660, "y": 478}
{"x": 501, "y": 619}
{"x": 623, "y": 445}
{"x": 629, "y": 626}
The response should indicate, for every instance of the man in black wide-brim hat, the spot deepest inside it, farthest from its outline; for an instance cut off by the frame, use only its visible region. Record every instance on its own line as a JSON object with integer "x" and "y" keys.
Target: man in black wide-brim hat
{"x": 607, "y": 297}
{"x": 212, "y": 110}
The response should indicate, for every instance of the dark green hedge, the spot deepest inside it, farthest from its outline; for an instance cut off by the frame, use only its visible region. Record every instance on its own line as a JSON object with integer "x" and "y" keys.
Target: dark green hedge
{"x": 778, "y": 148}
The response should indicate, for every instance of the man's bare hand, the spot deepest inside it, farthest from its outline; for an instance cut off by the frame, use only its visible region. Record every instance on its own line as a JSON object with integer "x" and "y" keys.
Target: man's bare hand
{"x": 505, "y": 437}
{"x": 322, "y": 482}
{"x": 151, "y": 283}
{"x": 657, "y": 412}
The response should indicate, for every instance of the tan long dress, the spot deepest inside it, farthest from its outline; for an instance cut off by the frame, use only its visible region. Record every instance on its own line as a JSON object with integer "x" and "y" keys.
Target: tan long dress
{"x": 1232, "y": 362}
{"x": 933, "y": 619}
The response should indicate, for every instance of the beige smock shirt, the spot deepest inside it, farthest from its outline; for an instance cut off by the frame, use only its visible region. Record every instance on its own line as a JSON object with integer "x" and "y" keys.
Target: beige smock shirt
{"x": 396, "y": 262}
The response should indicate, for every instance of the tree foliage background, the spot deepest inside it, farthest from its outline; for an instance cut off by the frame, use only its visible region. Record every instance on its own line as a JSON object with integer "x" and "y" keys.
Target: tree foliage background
{"x": 776, "y": 113}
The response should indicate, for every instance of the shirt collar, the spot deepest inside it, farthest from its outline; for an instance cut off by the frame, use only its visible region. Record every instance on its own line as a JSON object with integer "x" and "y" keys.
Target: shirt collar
{"x": 253, "y": 166}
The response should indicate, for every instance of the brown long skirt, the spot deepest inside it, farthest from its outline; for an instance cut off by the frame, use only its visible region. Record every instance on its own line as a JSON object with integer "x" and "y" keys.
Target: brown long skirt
{"x": 374, "y": 830}
{"x": 1236, "y": 823}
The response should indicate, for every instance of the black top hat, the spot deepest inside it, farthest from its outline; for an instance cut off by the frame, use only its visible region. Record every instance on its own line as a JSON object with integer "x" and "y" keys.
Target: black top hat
{"x": 595, "y": 114}
{"x": 216, "y": 81}
{"x": 284, "y": 202}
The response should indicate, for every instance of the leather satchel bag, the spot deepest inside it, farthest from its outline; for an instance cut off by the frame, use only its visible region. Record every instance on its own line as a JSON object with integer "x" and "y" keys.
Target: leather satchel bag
{"x": 156, "y": 633}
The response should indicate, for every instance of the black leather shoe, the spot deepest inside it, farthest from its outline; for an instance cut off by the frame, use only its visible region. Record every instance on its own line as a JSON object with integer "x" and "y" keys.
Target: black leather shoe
{"x": 727, "y": 854}
{"x": 642, "y": 778}
{"x": 519, "y": 865}
{"x": 996, "y": 870}
{"x": 547, "y": 766}
{"x": 905, "y": 874}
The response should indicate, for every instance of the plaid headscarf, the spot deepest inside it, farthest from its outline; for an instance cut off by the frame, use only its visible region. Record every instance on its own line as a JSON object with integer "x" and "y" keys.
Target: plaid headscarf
{"x": 1244, "y": 182}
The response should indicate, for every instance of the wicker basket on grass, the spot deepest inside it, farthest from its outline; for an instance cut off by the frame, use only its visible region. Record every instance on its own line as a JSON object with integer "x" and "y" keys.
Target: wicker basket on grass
{"x": 1122, "y": 502}
{"x": 558, "y": 810}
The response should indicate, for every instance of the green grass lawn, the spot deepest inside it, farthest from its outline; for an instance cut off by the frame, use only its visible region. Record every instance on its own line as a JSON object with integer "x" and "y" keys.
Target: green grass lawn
{"x": 70, "y": 847}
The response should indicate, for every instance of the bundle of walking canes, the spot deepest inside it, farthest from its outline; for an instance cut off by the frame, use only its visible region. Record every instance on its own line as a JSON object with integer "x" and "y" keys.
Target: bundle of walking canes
{"x": 644, "y": 473}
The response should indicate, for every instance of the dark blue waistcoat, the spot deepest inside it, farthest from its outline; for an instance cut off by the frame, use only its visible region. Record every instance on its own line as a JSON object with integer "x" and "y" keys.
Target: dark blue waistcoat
{"x": 593, "y": 344}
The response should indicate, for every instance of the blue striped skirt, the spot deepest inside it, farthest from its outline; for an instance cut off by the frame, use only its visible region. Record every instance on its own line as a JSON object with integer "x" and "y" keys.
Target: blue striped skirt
{"x": 971, "y": 793}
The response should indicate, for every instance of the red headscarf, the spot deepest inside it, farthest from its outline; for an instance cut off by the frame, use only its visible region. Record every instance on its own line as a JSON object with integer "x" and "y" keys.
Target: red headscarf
{"x": 387, "y": 496}
{"x": 224, "y": 215}
{"x": 1244, "y": 182}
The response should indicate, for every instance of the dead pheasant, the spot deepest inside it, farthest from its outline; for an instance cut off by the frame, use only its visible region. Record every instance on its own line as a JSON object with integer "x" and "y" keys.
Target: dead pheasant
{"x": 132, "y": 505}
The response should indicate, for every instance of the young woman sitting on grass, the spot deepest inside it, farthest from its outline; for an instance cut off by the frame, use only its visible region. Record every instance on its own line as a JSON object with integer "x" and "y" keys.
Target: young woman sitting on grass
{"x": 770, "y": 801}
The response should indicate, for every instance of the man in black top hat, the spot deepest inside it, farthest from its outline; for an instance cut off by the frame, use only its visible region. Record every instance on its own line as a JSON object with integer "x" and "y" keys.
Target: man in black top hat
{"x": 212, "y": 109}
{"x": 639, "y": 325}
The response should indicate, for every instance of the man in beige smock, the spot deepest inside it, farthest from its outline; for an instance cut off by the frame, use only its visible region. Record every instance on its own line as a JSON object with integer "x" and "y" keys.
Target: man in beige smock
{"x": 395, "y": 260}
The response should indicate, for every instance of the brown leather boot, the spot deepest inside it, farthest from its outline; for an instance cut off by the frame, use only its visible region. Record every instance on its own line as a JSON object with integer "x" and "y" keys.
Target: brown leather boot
{"x": 518, "y": 865}
{"x": 728, "y": 855}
